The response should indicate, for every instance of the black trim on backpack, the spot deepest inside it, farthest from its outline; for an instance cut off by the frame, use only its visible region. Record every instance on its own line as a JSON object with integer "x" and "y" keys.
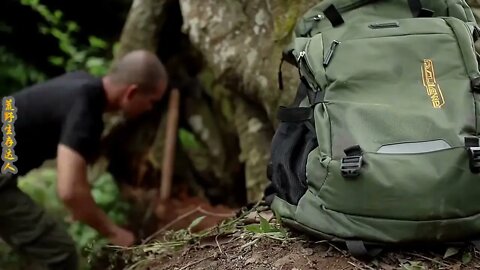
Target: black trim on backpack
{"x": 473, "y": 148}
{"x": 291, "y": 145}
{"x": 333, "y": 15}
{"x": 299, "y": 114}
{"x": 351, "y": 164}
{"x": 475, "y": 83}
{"x": 418, "y": 10}
{"x": 358, "y": 250}
{"x": 476, "y": 34}
{"x": 280, "y": 76}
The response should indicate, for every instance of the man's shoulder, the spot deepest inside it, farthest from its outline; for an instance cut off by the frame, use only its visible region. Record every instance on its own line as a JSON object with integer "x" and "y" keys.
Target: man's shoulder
{"x": 69, "y": 86}
{"x": 69, "y": 80}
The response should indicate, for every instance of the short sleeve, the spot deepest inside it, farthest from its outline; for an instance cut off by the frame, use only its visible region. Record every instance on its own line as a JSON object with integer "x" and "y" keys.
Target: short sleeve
{"x": 82, "y": 130}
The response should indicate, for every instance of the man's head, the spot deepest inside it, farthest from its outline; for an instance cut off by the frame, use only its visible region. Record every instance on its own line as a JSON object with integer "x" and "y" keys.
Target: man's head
{"x": 135, "y": 82}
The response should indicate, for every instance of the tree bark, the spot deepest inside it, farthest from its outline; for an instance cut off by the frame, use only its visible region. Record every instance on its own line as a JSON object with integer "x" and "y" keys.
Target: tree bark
{"x": 242, "y": 43}
{"x": 229, "y": 104}
{"x": 144, "y": 20}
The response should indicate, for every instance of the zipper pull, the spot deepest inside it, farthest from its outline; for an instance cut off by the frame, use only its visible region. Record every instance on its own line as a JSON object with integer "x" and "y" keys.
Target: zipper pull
{"x": 317, "y": 17}
{"x": 301, "y": 56}
{"x": 330, "y": 52}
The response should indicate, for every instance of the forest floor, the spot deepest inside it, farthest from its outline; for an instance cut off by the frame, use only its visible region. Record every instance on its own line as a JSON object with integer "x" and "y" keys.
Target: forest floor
{"x": 255, "y": 240}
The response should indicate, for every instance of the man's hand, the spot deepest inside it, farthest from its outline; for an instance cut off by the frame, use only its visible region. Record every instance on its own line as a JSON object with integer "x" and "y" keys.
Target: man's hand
{"x": 122, "y": 237}
{"x": 74, "y": 190}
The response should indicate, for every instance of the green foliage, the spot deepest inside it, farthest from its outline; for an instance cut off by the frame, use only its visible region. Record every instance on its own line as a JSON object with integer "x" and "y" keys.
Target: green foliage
{"x": 188, "y": 140}
{"x": 15, "y": 73}
{"x": 40, "y": 186}
{"x": 90, "y": 57}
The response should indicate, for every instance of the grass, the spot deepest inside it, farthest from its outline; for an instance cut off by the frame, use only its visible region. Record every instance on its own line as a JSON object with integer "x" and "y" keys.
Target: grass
{"x": 240, "y": 227}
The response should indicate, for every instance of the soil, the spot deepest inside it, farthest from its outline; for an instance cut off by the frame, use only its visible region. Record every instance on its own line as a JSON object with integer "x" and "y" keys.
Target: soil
{"x": 266, "y": 254}
{"x": 234, "y": 251}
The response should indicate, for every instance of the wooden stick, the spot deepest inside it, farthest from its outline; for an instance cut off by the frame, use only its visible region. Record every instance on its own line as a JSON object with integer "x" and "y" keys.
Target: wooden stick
{"x": 170, "y": 145}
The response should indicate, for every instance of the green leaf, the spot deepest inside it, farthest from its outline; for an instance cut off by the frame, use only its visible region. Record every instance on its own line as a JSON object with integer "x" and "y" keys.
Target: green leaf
{"x": 58, "y": 14}
{"x": 95, "y": 62}
{"x": 58, "y": 34}
{"x": 195, "y": 222}
{"x": 72, "y": 26}
{"x": 265, "y": 226}
{"x": 44, "y": 29}
{"x": 188, "y": 140}
{"x": 254, "y": 228}
{"x": 466, "y": 258}
{"x": 97, "y": 42}
{"x": 450, "y": 252}
{"x": 67, "y": 48}
{"x": 56, "y": 60}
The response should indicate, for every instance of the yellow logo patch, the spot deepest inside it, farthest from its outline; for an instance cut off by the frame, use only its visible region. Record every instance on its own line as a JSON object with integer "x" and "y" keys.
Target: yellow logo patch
{"x": 430, "y": 83}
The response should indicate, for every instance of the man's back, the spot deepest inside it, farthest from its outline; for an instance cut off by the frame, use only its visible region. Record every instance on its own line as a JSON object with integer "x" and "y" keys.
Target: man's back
{"x": 65, "y": 109}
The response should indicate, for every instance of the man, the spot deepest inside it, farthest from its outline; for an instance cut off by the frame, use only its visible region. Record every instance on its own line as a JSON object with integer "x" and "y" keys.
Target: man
{"x": 62, "y": 118}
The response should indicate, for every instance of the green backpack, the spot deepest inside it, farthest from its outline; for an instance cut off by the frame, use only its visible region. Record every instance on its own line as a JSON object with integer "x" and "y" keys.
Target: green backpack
{"x": 381, "y": 146}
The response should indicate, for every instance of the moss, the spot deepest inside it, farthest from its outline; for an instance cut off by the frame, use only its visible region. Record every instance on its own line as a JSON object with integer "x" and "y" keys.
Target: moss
{"x": 207, "y": 78}
{"x": 285, "y": 19}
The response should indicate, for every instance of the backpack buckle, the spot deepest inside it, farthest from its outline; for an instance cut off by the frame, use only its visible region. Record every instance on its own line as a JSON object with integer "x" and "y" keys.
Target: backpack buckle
{"x": 475, "y": 83}
{"x": 351, "y": 164}
{"x": 474, "y": 155}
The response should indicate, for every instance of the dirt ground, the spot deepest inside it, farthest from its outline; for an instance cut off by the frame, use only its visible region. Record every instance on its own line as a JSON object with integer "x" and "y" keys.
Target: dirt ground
{"x": 242, "y": 249}
{"x": 266, "y": 254}
{"x": 230, "y": 254}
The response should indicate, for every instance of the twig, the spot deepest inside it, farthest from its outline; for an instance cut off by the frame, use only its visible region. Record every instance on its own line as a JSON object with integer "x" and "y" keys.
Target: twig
{"x": 364, "y": 265}
{"x": 198, "y": 209}
{"x": 169, "y": 225}
{"x": 429, "y": 259}
{"x": 250, "y": 243}
{"x": 218, "y": 244}
{"x": 354, "y": 265}
{"x": 338, "y": 249}
{"x": 203, "y": 211}
{"x": 196, "y": 262}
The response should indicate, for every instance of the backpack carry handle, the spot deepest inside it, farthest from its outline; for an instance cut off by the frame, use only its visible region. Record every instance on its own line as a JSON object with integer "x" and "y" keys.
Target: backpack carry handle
{"x": 418, "y": 10}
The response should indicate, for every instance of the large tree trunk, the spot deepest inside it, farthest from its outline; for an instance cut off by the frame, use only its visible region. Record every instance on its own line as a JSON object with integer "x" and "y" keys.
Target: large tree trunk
{"x": 242, "y": 43}
{"x": 225, "y": 63}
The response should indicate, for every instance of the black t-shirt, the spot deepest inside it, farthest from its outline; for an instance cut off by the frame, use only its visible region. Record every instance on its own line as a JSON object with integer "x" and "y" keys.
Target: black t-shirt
{"x": 67, "y": 109}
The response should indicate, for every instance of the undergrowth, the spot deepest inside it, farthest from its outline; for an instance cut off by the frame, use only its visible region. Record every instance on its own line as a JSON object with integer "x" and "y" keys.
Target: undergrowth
{"x": 166, "y": 242}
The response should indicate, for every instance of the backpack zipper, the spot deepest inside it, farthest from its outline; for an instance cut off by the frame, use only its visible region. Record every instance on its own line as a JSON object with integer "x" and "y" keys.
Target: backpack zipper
{"x": 318, "y": 17}
{"x": 330, "y": 52}
{"x": 303, "y": 60}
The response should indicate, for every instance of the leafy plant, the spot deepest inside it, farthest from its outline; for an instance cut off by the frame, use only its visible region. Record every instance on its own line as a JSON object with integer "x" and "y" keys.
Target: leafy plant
{"x": 40, "y": 186}
{"x": 15, "y": 73}
{"x": 75, "y": 56}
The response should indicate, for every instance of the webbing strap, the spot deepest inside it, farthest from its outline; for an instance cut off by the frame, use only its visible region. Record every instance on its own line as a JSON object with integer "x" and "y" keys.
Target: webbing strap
{"x": 358, "y": 250}
{"x": 473, "y": 149}
{"x": 471, "y": 142}
{"x": 333, "y": 15}
{"x": 417, "y": 9}
{"x": 297, "y": 114}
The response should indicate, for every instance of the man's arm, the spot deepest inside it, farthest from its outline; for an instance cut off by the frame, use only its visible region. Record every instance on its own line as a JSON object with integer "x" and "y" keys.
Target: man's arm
{"x": 74, "y": 190}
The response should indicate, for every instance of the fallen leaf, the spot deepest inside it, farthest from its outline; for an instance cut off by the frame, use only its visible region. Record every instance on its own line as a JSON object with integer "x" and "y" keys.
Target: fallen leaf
{"x": 451, "y": 251}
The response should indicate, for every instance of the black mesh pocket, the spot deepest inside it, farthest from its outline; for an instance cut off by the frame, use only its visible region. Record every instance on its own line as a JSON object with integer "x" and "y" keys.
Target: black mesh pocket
{"x": 291, "y": 145}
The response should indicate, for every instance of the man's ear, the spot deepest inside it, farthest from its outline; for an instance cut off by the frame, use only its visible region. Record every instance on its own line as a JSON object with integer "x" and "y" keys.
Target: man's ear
{"x": 131, "y": 92}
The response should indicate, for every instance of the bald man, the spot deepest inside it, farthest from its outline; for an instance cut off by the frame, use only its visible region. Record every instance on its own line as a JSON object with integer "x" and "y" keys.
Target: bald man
{"x": 62, "y": 118}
